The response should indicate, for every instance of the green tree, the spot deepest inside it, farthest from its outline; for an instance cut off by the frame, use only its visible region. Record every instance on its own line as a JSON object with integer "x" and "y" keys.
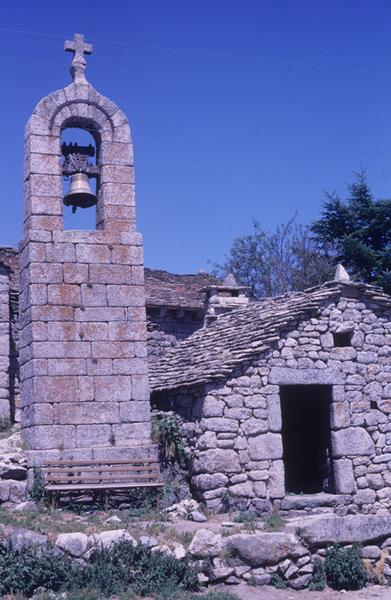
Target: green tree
{"x": 357, "y": 233}
{"x": 278, "y": 262}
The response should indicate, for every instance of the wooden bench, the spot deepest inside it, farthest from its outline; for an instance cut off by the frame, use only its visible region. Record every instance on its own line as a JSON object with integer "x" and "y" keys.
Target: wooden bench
{"x": 99, "y": 476}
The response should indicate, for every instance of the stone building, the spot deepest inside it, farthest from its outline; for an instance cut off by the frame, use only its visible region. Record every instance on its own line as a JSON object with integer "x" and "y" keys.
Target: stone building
{"x": 287, "y": 401}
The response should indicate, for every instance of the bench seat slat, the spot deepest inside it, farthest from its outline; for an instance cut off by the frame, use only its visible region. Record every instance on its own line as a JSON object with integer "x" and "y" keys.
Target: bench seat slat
{"x": 99, "y": 486}
{"x": 125, "y": 468}
{"x": 102, "y": 479}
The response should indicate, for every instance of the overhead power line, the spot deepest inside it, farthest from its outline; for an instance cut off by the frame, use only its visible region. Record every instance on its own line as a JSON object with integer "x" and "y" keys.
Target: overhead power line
{"x": 195, "y": 52}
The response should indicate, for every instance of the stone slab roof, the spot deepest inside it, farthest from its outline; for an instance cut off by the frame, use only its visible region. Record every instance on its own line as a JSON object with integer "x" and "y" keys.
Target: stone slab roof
{"x": 161, "y": 288}
{"x": 169, "y": 289}
{"x": 212, "y": 353}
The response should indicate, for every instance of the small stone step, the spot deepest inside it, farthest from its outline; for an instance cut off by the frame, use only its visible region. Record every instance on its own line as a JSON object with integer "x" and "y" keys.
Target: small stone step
{"x": 310, "y": 501}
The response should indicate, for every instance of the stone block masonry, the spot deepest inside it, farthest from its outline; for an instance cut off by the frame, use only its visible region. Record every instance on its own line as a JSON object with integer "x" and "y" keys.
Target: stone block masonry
{"x": 235, "y": 426}
{"x": 83, "y": 342}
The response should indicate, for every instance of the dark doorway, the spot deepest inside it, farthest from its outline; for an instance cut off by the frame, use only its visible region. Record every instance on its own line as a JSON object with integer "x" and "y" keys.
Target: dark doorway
{"x": 305, "y": 413}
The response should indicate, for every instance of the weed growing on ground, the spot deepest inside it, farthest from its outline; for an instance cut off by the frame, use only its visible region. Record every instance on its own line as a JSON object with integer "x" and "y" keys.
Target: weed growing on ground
{"x": 39, "y": 518}
{"x": 225, "y": 499}
{"x": 274, "y": 522}
{"x": 185, "y": 537}
{"x": 155, "y": 528}
{"x": 166, "y": 432}
{"x": 43, "y": 520}
{"x": 5, "y": 427}
{"x": 247, "y": 519}
{"x": 278, "y": 582}
{"x": 216, "y": 596}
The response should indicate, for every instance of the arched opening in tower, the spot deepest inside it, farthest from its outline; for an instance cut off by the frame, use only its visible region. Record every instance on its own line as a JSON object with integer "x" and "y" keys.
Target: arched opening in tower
{"x": 80, "y": 178}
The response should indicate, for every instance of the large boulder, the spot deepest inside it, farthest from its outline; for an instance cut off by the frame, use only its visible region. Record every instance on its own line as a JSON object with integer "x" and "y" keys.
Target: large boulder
{"x": 344, "y": 530}
{"x": 108, "y": 538}
{"x": 12, "y": 491}
{"x": 74, "y": 544}
{"x": 261, "y": 548}
{"x": 205, "y": 544}
{"x": 24, "y": 538}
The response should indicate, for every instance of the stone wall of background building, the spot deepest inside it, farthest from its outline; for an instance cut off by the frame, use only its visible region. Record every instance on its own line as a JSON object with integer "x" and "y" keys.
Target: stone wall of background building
{"x": 234, "y": 428}
{"x": 4, "y": 344}
{"x": 14, "y": 357}
{"x": 9, "y": 265}
{"x": 167, "y": 327}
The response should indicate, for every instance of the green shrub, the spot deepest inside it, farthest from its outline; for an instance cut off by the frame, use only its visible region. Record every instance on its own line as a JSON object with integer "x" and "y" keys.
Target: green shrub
{"x": 278, "y": 582}
{"x": 318, "y": 579}
{"x": 81, "y": 594}
{"x": 26, "y": 570}
{"x": 121, "y": 568}
{"x": 344, "y": 568}
{"x": 144, "y": 572}
{"x": 166, "y": 432}
{"x": 225, "y": 499}
{"x": 85, "y": 595}
{"x": 5, "y": 424}
{"x": 37, "y": 492}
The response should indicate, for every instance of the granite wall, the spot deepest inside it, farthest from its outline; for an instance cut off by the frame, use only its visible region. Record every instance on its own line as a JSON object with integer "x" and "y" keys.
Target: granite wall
{"x": 233, "y": 428}
{"x": 83, "y": 338}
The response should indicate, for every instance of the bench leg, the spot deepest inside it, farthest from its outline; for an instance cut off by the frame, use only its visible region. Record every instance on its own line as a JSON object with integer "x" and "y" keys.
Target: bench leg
{"x": 52, "y": 500}
{"x": 158, "y": 499}
{"x": 106, "y": 502}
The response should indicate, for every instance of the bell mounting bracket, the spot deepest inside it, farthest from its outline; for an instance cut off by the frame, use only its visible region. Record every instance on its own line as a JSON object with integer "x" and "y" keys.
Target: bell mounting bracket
{"x": 76, "y": 160}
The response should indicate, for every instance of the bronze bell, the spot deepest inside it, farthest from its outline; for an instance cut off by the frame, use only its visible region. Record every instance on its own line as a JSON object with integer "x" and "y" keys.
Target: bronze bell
{"x": 80, "y": 194}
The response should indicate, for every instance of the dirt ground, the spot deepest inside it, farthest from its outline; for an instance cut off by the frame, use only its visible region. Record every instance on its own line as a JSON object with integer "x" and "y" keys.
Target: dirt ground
{"x": 246, "y": 592}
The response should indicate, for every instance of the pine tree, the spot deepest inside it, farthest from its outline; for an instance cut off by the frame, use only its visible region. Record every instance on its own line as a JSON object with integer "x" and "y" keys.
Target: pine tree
{"x": 357, "y": 232}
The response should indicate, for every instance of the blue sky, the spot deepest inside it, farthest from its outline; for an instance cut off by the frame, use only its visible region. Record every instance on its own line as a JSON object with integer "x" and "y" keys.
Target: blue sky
{"x": 238, "y": 110}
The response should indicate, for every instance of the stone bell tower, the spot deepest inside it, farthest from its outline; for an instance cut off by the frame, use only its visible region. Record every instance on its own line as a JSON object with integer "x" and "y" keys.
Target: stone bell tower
{"x": 83, "y": 353}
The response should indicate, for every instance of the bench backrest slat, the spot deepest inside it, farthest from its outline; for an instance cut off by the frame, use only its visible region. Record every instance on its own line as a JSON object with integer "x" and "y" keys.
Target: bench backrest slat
{"x": 101, "y": 472}
{"x": 124, "y": 469}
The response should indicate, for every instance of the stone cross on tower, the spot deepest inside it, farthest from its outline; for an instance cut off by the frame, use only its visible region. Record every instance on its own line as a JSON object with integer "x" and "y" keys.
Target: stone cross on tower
{"x": 79, "y": 49}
